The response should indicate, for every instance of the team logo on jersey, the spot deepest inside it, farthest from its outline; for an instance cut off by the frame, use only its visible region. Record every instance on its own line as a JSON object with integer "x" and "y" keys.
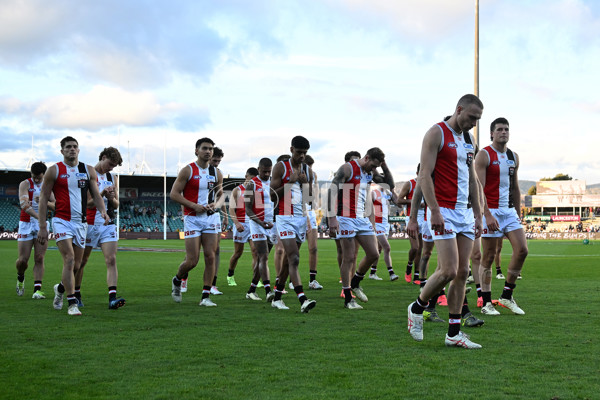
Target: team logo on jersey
{"x": 210, "y": 178}
{"x": 357, "y": 177}
{"x": 196, "y": 177}
{"x": 80, "y": 175}
{"x": 511, "y": 171}
{"x": 468, "y": 146}
{"x": 510, "y": 162}
{"x": 64, "y": 176}
{"x": 452, "y": 145}
{"x": 469, "y": 158}
{"x": 82, "y": 183}
{"x": 495, "y": 162}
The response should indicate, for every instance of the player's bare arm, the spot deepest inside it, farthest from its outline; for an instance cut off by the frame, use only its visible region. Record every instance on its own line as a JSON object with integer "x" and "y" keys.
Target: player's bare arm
{"x": 47, "y": 186}
{"x": 429, "y": 152}
{"x": 176, "y": 193}
{"x": 412, "y": 229}
{"x": 474, "y": 190}
{"x": 233, "y": 203}
{"x": 24, "y": 199}
{"x": 249, "y": 199}
{"x": 93, "y": 189}
{"x": 402, "y": 196}
{"x": 387, "y": 177}
{"x": 481, "y": 164}
{"x": 341, "y": 177}
{"x": 516, "y": 191}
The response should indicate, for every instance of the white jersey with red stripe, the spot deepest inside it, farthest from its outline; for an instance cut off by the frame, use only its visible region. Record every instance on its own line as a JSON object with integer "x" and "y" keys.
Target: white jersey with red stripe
{"x": 291, "y": 201}
{"x": 70, "y": 190}
{"x": 352, "y": 195}
{"x": 93, "y": 215}
{"x": 497, "y": 178}
{"x": 33, "y": 194}
{"x": 381, "y": 205}
{"x": 451, "y": 172}
{"x": 199, "y": 187}
{"x": 263, "y": 205}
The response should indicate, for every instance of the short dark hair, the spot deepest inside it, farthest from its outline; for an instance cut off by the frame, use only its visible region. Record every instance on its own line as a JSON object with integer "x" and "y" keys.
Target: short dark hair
{"x": 265, "y": 162}
{"x": 252, "y": 171}
{"x": 217, "y": 152}
{"x": 497, "y": 121}
{"x": 112, "y": 154}
{"x": 204, "y": 140}
{"x": 309, "y": 160}
{"x": 38, "y": 168}
{"x": 300, "y": 142}
{"x": 283, "y": 157}
{"x": 67, "y": 139}
{"x": 469, "y": 99}
{"x": 351, "y": 154}
{"x": 376, "y": 153}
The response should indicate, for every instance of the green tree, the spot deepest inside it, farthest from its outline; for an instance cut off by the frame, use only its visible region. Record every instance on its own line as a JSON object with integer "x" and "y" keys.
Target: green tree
{"x": 558, "y": 177}
{"x": 532, "y": 191}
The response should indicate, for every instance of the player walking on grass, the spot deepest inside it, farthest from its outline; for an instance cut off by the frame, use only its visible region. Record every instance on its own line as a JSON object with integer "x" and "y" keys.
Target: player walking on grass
{"x": 292, "y": 183}
{"x": 497, "y": 168}
{"x": 416, "y": 244}
{"x": 241, "y": 227}
{"x": 311, "y": 228}
{"x": 29, "y": 198}
{"x": 199, "y": 189}
{"x": 347, "y": 218}
{"x": 99, "y": 233}
{"x": 259, "y": 211}
{"x": 381, "y": 198}
{"x": 447, "y": 179}
{"x": 69, "y": 181}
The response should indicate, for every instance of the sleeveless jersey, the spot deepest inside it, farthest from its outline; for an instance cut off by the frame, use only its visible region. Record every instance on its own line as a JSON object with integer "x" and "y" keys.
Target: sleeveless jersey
{"x": 352, "y": 195}
{"x": 33, "y": 193}
{"x": 499, "y": 178}
{"x": 451, "y": 172}
{"x": 263, "y": 205}
{"x": 93, "y": 215}
{"x": 240, "y": 207}
{"x": 409, "y": 196}
{"x": 381, "y": 204}
{"x": 291, "y": 201}
{"x": 200, "y": 186}
{"x": 71, "y": 190}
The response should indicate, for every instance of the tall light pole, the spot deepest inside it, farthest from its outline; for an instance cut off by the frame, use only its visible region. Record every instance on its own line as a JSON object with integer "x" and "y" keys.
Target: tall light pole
{"x": 476, "y": 131}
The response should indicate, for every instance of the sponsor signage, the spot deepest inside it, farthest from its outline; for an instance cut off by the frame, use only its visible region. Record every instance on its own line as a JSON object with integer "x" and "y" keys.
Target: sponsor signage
{"x": 545, "y": 218}
{"x": 563, "y": 218}
{"x": 128, "y": 193}
{"x": 152, "y": 194}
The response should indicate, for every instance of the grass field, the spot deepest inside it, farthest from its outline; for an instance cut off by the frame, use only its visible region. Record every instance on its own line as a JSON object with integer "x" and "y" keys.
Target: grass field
{"x": 154, "y": 348}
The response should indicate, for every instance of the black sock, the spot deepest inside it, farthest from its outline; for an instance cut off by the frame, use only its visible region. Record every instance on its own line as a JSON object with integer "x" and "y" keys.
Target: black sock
{"x": 465, "y": 308}
{"x": 347, "y": 295}
{"x": 355, "y": 282}
{"x": 418, "y": 306}
{"x": 60, "y": 288}
{"x": 390, "y": 271}
{"x": 37, "y": 285}
{"x": 415, "y": 276}
{"x": 112, "y": 293}
{"x": 478, "y": 289}
{"x": 498, "y": 270}
{"x": 205, "y": 292}
{"x": 508, "y": 290}
{"x": 453, "y": 324}
{"x": 373, "y": 269}
{"x": 433, "y": 302}
{"x": 176, "y": 281}
{"x": 215, "y": 281}
{"x": 184, "y": 276}
{"x": 253, "y": 286}
{"x": 409, "y": 268}
{"x": 313, "y": 275}
{"x": 487, "y": 297}
{"x": 278, "y": 291}
{"x": 21, "y": 278}
{"x": 423, "y": 282}
{"x": 72, "y": 299}
{"x": 78, "y": 292}
{"x": 230, "y": 272}
{"x": 300, "y": 293}
{"x": 267, "y": 284}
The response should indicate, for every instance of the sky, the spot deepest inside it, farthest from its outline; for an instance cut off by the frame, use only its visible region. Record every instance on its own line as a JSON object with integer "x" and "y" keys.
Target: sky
{"x": 152, "y": 77}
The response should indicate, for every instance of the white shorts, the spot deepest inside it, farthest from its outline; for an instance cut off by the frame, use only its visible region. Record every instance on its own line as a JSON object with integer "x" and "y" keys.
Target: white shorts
{"x": 351, "y": 227}
{"x": 69, "y": 230}
{"x": 291, "y": 227}
{"x": 218, "y": 220}
{"x": 424, "y": 227}
{"x": 243, "y": 236}
{"x": 28, "y": 230}
{"x": 98, "y": 234}
{"x": 312, "y": 220}
{"x": 382, "y": 229}
{"x": 508, "y": 221}
{"x": 258, "y": 233}
{"x": 196, "y": 225}
{"x": 457, "y": 221}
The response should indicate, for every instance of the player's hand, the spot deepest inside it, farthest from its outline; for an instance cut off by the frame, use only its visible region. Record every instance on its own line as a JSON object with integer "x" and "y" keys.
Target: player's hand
{"x": 42, "y": 236}
{"x": 266, "y": 225}
{"x": 412, "y": 229}
{"x": 239, "y": 227}
{"x": 491, "y": 222}
{"x": 437, "y": 222}
{"x": 199, "y": 208}
{"x": 302, "y": 178}
{"x": 478, "y": 227}
{"x": 106, "y": 217}
{"x": 334, "y": 227}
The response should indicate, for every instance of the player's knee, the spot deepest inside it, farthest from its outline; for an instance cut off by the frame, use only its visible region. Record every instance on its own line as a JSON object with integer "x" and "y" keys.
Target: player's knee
{"x": 521, "y": 252}
{"x": 450, "y": 275}
{"x": 312, "y": 251}
{"x": 111, "y": 261}
{"x": 22, "y": 262}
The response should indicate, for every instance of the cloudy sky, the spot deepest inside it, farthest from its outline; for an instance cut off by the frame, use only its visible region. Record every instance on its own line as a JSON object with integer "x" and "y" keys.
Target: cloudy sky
{"x": 347, "y": 74}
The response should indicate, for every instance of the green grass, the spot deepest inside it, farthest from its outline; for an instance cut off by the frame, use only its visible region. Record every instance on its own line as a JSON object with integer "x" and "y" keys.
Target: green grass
{"x": 154, "y": 348}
